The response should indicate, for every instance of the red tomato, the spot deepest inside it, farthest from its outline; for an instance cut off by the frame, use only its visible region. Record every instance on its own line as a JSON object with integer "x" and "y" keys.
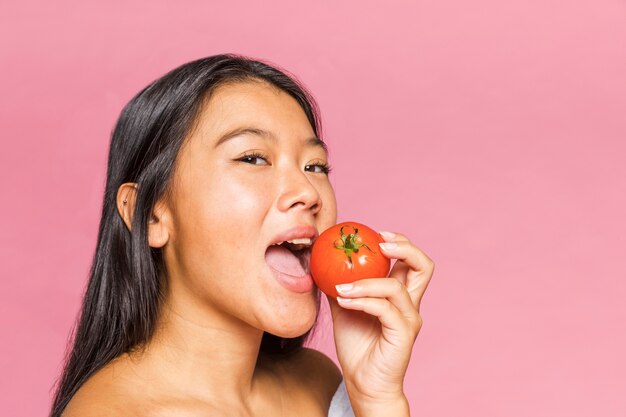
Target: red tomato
{"x": 347, "y": 252}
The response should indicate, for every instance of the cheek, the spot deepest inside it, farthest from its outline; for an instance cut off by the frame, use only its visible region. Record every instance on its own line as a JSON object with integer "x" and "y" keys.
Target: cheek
{"x": 218, "y": 197}
{"x": 223, "y": 223}
{"x": 211, "y": 256}
{"x": 329, "y": 206}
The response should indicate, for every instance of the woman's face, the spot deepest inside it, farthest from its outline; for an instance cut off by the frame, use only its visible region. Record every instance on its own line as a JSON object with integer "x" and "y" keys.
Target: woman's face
{"x": 228, "y": 207}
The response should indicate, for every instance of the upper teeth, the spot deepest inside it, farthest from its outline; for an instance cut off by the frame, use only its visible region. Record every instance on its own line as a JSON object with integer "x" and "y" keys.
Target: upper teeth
{"x": 303, "y": 241}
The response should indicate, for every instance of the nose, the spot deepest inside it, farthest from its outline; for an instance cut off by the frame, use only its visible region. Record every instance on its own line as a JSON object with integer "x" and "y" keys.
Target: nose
{"x": 298, "y": 191}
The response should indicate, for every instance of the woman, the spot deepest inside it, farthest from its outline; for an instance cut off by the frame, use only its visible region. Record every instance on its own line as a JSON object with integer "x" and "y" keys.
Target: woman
{"x": 184, "y": 314}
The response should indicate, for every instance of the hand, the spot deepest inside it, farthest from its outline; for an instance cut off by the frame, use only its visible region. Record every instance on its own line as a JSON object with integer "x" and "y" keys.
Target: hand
{"x": 375, "y": 331}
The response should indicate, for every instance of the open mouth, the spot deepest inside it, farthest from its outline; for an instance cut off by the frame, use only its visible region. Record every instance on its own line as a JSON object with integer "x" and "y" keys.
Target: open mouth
{"x": 289, "y": 266}
{"x": 289, "y": 258}
{"x": 302, "y": 252}
{"x": 303, "y": 255}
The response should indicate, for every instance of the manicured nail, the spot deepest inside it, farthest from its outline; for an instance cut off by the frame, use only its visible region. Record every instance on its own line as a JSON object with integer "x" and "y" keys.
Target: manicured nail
{"x": 387, "y": 235}
{"x": 344, "y": 300}
{"x": 388, "y": 245}
{"x": 344, "y": 288}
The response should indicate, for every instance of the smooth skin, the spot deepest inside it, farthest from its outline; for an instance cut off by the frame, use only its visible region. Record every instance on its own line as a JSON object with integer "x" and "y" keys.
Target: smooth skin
{"x": 226, "y": 207}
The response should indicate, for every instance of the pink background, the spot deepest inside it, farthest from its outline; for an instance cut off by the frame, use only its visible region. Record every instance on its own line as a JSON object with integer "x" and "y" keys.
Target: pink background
{"x": 491, "y": 132}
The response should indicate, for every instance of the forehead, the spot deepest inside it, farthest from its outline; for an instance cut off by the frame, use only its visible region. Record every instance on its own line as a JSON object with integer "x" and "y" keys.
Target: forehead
{"x": 255, "y": 104}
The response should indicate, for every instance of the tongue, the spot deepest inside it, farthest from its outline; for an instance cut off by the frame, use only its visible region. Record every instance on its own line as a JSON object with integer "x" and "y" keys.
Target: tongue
{"x": 283, "y": 260}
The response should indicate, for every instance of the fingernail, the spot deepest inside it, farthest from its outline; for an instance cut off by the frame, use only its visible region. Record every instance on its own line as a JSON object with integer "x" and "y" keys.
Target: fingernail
{"x": 387, "y": 235}
{"x": 344, "y": 288}
{"x": 344, "y": 300}
{"x": 388, "y": 245}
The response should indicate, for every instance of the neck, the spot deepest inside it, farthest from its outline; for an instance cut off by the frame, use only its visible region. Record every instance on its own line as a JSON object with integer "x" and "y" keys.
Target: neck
{"x": 203, "y": 355}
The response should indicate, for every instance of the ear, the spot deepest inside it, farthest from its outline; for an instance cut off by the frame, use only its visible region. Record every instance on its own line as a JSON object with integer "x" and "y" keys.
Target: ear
{"x": 158, "y": 233}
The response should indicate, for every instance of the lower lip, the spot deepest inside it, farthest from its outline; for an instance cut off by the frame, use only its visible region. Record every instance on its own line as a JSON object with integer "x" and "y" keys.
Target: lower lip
{"x": 296, "y": 284}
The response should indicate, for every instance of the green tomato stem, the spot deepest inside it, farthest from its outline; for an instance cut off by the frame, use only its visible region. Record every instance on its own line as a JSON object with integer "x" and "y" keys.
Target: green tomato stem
{"x": 349, "y": 244}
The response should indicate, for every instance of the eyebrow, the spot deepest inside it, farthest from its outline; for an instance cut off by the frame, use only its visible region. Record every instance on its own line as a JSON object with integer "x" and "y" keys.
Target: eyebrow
{"x": 314, "y": 141}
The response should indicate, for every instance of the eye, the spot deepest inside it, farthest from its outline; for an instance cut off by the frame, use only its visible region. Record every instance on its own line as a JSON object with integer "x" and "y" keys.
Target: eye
{"x": 323, "y": 168}
{"x": 247, "y": 158}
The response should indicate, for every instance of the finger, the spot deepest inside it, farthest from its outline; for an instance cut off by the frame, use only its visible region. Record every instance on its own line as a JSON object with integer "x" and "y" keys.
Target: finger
{"x": 392, "y": 236}
{"x": 394, "y": 324}
{"x": 408, "y": 252}
{"x": 400, "y": 271}
{"x": 399, "y": 237}
{"x": 420, "y": 267}
{"x": 391, "y": 289}
{"x": 420, "y": 289}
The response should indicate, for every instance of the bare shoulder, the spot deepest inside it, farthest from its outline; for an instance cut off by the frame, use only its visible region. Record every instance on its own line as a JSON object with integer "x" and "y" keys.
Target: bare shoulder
{"x": 315, "y": 372}
{"x": 104, "y": 394}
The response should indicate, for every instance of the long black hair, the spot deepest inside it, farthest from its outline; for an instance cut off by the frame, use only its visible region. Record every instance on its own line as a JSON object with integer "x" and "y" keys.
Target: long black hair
{"x": 124, "y": 292}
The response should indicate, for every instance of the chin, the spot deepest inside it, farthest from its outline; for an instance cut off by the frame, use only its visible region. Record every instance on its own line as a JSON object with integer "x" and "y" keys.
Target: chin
{"x": 293, "y": 324}
{"x": 294, "y": 329}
